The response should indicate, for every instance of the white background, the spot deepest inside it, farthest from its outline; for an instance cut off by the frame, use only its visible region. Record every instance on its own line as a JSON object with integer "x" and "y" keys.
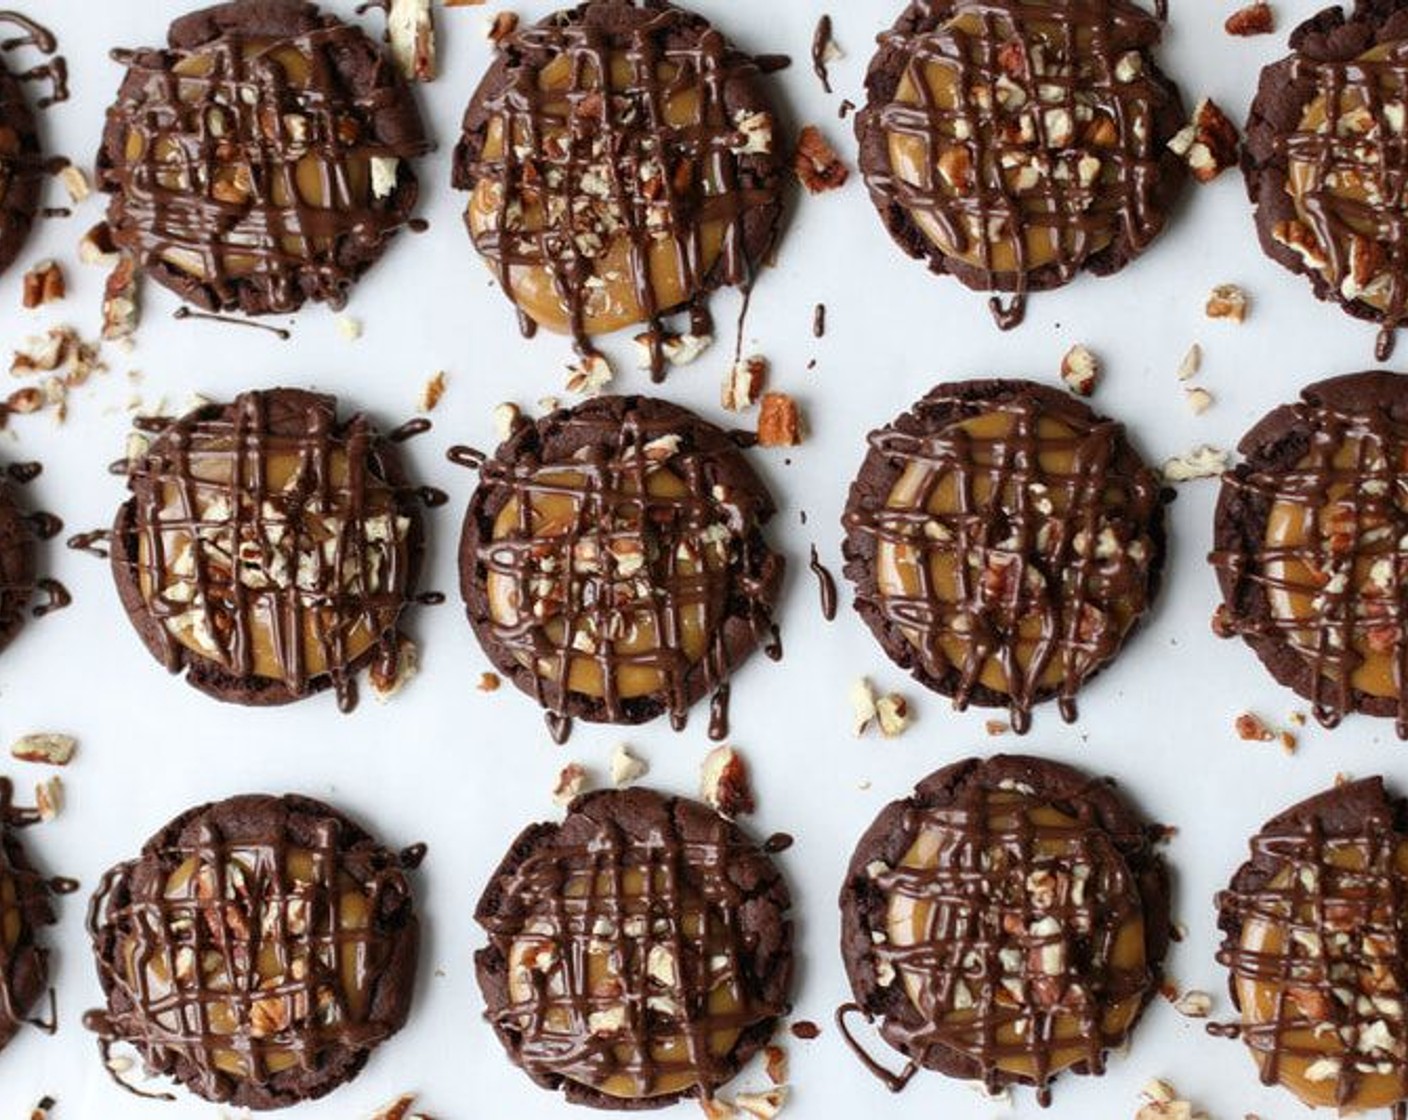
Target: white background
{"x": 464, "y": 771}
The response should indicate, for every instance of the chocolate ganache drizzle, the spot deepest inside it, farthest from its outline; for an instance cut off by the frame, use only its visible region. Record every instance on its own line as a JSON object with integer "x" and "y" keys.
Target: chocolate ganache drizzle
{"x": 629, "y": 957}
{"x": 269, "y": 541}
{"x": 623, "y": 164}
{"x": 252, "y": 942}
{"x": 614, "y": 564}
{"x": 1004, "y": 541}
{"x": 262, "y": 160}
{"x": 1022, "y": 139}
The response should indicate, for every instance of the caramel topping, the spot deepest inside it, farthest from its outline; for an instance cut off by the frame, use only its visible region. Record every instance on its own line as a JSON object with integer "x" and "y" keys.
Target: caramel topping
{"x": 1344, "y": 166}
{"x": 275, "y": 552}
{"x": 1021, "y": 136}
{"x": 253, "y": 158}
{"x": 1317, "y": 966}
{"x": 1014, "y": 550}
{"x": 1016, "y": 931}
{"x": 1330, "y": 562}
{"x": 612, "y": 183}
{"x": 628, "y": 971}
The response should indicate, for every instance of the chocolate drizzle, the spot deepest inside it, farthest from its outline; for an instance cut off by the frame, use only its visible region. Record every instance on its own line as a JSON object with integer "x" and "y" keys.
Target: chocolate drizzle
{"x": 1017, "y": 962}
{"x": 1346, "y": 573}
{"x": 1325, "y": 884}
{"x": 821, "y": 47}
{"x": 826, "y": 584}
{"x": 249, "y": 905}
{"x": 183, "y": 313}
{"x": 688, "y": 558}
{"x": 615, "y": 170}
{"x": 24, "y": 964}
{"x": 1044, "y": 142}
{"x": 262, "y": 160}
{"x": 655, "y": 916}
{"x": 267, "y": 522}
{"x": 1051, "y": 564}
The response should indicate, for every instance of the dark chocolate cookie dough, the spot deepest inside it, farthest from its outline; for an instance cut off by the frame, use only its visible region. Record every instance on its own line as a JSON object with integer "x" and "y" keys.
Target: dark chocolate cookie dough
{"x": 1308, "y": 545}
{"x": 1328, "y": 195}
{"x": 623, "y": 161}
{"x": 1015, "y": 143}
{"x": 262, "y": 159}
{"x": 613, "y": 563}
{"x": 639, "y": 952}
{"x": 269, "y": 547}
{"x": 1005, "y": 923}
{"x": 1314, "y": 928}
{"x": 1004, "y": 541}
{"x": 256, "y": 951}
{"x": 24, "y": 911}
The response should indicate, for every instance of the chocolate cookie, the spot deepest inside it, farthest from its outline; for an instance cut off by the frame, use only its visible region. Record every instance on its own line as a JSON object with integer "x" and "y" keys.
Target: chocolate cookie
{"x": 1328, "y": 200}
{"x": 1004, "y": 541}
{"x": 24, "y": 911}
{"x": 21, "y": 158}
{"x": 640, "y": 952}
{"x": 623, "y": 162}
{"x": 257, "y": 950}
{"x": 1308, "y": 545}
{"x": 613, "y": 563}
{"x": 262, "y": 159}
{"x": 269, "y": 547}
{"x": 1314, "y": 929}
{"x": 1005, "y": 923}
{"x": 19, "y": 536}
{"x": 1015, "y": 143}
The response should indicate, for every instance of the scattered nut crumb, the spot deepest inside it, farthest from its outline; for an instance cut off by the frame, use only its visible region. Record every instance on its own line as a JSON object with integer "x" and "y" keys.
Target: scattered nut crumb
{"x": 500, "y": 26}
{"x": 997, "y": 727}
{"x": 387, "y": 680}
{"x": 431, "y": 392}
{"x": 716, "y": 1108}
{"x": 410, "y": 31}
{"x": 507, "y": 417}
{"x": 626, "y": 767}
{"x": 775, "y": 1064}
{"x": 1160, "y": 1102}
{"x": 1252, "y": 728}
{"x": 43, "y": 284}
{"x": 1194, "y": 1004}
{"x": 1227, "y": 301}
{"x": 120, "y": 307}
{"x": 549, "y": 404}
{"x": 862, "y": 706}
{"x": 1296, "y": 719}
{"x": 743, "y": 384}
{"x": 589, "y": 376}
{"x": 75, "y": 182}
{"x": 1192, "y": 362}
{"x": 677, "y": 349}
{"x": 1208, "y": 143}
{"x": 489, "y": 682}
{"x": 1201, "y": 462}
{"x": 816, "y": 163}
{"x": 1254, "y": 19}
{"x": 1289, "y": 742}
{"x": 893, "y": 712}
{"x": 723, "y": 782}
{"x": 47, "y": 747}
{"x": 570, "y": 782}
{"x": 1080, "y": 370}
{"x": 97, "y": 247}
{"x": 765, "y": 1106}
{"x": 349, "y": 328}
{"x": 779, "y": 421}
{"x": 1199, "y": 400}
{"x": 399, "y": 1109}
{"x": 42, "y": 1107}
{"x": 49, "y": 798}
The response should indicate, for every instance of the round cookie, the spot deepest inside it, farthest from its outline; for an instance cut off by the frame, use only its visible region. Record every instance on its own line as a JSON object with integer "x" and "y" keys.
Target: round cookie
{"x": 21, "y": 167}
{"x": 1014, "y": 144}
{"x": 18, "y": 563}
{"x": 598, "y": 212}
{"x": 1307, "y": 545}
{"x": 1314, "y": 930}
{"x": 1005, "y": 923}
{"x": 1330, "y": 206}
{"x": 605, "y": 607}
{"x": 263, "y": 159}
{"x": 269, "y": 547}
{"x": 291, "y": 935}
{"x": 24, "y": 911}
{"x": 657, "y": 984}
{"x": 1004, "y": 542}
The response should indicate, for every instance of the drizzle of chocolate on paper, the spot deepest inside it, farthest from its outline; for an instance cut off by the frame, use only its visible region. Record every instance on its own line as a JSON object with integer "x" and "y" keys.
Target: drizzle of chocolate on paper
{"x": 821, "y": 46}
{"x": 826, "y": 584}
{"x": 183, "y": 313}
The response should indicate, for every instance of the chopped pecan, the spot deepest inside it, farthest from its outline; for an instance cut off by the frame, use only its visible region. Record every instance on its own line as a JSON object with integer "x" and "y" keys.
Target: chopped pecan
{"x": 1254, "y": 19}
{"x": 1208, "y": 143}
{"x": 816, "y": 163}
{"x": 779, "y": 421}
